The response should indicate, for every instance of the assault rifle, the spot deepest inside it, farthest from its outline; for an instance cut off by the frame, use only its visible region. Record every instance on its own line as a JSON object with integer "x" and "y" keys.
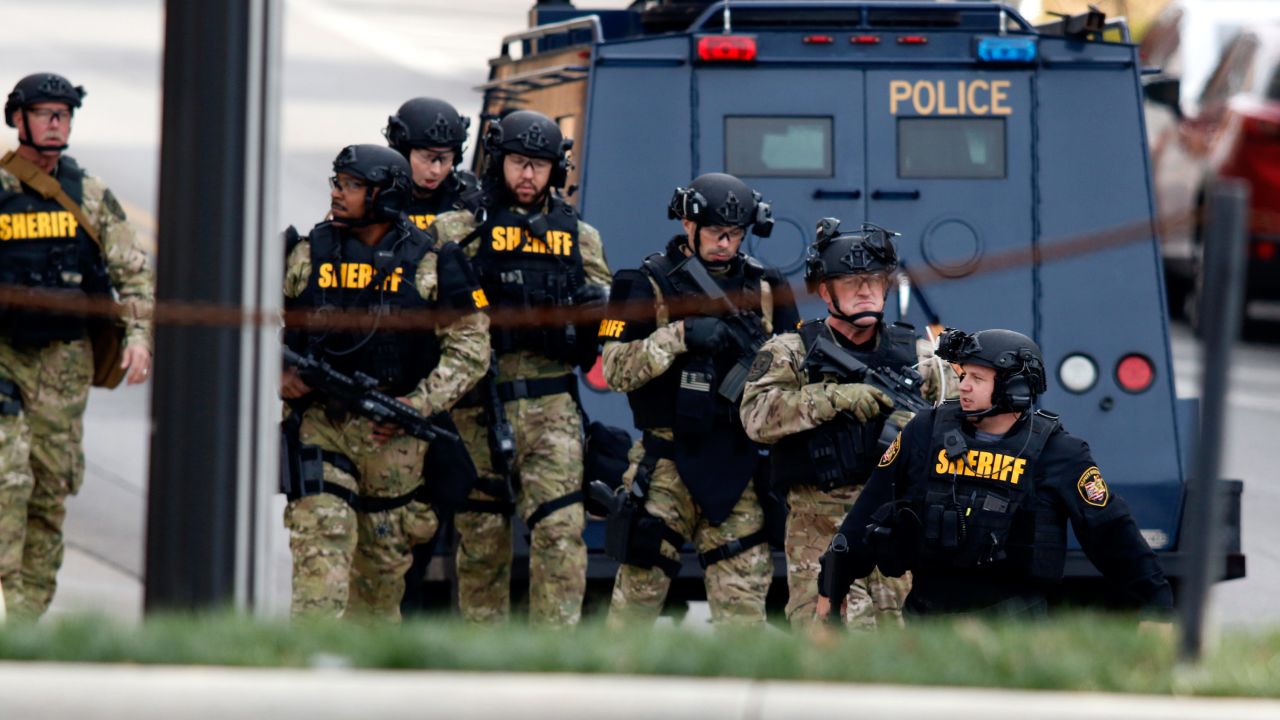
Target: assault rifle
{"x": 359, "y": 392}
{"x": 902, "y": 386}
{"x": 502, "y": 438}
{"x": 745, "y": 327}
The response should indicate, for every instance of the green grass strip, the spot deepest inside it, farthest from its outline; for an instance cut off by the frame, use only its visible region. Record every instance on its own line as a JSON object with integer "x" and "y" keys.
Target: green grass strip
{"x": 1074, "y": 652}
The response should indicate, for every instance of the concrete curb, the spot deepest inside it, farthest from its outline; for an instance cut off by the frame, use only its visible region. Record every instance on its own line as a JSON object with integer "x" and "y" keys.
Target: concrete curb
{"x": 49, "y": 691}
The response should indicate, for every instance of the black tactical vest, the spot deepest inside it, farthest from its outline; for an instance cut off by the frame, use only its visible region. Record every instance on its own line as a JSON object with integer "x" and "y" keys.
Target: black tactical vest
{"x": 422, "y": 212}
{"x": 714, "y": 456}
{"x": 43, "y": 246}
{"x": 980, "y": 512}
{"x": 840, "y": 452}
{"x": 534, "y": 261}
{"x": 349, "y": 275}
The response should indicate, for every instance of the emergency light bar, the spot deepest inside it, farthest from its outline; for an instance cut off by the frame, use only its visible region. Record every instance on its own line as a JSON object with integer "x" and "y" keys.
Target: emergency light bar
{"x": 727, "y": 48}
{"x": 1005, "y": 49}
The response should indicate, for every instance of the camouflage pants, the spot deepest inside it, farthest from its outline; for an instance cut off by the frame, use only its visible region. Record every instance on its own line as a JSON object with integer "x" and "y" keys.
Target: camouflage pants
{"x": 814, "y": 519}
{"x": 736, "y": 587}
{"x": 41, "y": 464}
{"x": 548, "y": 464}
{"x": 352, "y": 563}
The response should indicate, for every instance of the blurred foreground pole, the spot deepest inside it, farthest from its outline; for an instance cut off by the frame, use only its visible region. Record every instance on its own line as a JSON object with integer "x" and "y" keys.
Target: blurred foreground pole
{"x": 1220, "y": 315}
{"x": 210, "y": 445}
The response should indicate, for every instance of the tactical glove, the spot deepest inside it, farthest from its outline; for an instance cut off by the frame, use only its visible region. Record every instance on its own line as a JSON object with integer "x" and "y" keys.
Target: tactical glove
{"x": 900, "y": 418}
{"x": 864, "y": 401}
{"x": 706, "y": 335}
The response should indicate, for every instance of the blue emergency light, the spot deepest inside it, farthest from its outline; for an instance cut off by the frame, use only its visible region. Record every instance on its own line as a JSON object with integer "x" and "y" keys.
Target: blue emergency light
{"x": 1006, "y": 49}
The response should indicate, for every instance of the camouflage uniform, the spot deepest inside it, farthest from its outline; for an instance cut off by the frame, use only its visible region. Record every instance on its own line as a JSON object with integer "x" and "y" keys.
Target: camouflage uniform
{"x": 548, "y": 465}
{"x": 779, "y": 401}
{"x": 344, "y": 561}
{"x": 736, "y": 586}
{"x": 41, "y": 458}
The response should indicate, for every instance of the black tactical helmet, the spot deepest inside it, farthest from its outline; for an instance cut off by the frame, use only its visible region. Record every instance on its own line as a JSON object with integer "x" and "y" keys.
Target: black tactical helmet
{"x": 721, "y": 200}
{"x": 834, "y": 253}
{"x": 427, "y": 123}
{"x": 381, "y": 168}
{"x": 531, "y": 134}
{"x": 1016, "y": 358}
{"x": 42, "y": 87}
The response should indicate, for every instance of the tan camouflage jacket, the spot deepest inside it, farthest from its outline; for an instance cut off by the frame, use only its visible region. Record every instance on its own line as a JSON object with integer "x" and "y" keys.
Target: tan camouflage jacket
{"x": 127, "y": 263}
{"x": 456, "y": 225}
{"x": 779, "y": 401}
{"x": 464, "y": 343}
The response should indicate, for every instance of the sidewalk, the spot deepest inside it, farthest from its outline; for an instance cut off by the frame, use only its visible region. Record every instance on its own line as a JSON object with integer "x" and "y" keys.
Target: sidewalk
{"x": 40, "y": 691}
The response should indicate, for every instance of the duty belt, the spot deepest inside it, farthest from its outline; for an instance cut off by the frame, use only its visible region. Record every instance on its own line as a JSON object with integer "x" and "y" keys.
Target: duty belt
{"x": 524, "y": 389}
{"x": 313, "y": 483}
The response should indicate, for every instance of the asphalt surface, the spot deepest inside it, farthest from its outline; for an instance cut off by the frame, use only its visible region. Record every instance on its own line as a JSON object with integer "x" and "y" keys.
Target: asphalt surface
{"x": 347, "y": 65}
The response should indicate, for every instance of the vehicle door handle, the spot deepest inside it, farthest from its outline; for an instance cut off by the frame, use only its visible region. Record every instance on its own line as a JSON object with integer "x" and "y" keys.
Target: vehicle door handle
{"x": 824, "y": 194}
{"x": 895, "y": 195}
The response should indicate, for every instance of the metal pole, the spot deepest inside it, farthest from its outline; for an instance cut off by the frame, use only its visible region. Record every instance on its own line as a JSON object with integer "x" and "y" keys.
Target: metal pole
{"x": 211, "y": 180}
{"x": 1224, "y": 267}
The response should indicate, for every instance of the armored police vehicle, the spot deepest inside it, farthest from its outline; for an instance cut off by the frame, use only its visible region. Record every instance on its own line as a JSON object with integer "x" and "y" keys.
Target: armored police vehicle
{"x": 1011, "y": 159}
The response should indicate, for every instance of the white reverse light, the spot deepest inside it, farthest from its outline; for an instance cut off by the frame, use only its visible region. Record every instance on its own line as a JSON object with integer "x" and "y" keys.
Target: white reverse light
{"x": 1078, "y": 373}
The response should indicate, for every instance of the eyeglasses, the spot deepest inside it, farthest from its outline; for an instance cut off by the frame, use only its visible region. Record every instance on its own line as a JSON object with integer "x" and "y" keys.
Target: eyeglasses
{"x": 528, "y": 163}
{"x": 346, "y": 184}
{"x": 434, "y": 158}
{"x": 47, "y": 114}
{"x": 873, "y": 280}
{"x": 726, "y": 233}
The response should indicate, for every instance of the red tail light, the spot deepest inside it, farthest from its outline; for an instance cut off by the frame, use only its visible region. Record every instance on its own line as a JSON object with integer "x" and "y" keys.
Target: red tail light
{"x": 727, "y": 48}
{"x": 865, "y": 39}
{"x": 1135, "y": 373}
{"x": 912, "y": 39}
{"x": 818, "y": 39}
{"x": 1264, "y": 250}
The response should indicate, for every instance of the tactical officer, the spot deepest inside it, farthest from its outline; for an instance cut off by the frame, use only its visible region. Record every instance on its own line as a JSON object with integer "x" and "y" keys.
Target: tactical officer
{"x": 530, "y": 250}
{"x": 809, "y": 396}
{"x": 358, "y": 506}
{"x": 63, "y": 234}
{"x": 681, "y": 364}
{"x": 974, "y": 498}
{"x": 430, "y": 134}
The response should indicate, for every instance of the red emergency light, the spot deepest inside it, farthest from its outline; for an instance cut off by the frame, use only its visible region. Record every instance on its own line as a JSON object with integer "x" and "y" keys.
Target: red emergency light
{"x": 727, "y": 48}
{"x": 912, "y": 39}
{"x": 818, "y": 39}
{"x": 1135, "y": 373}
{"x": 865, "y": 39}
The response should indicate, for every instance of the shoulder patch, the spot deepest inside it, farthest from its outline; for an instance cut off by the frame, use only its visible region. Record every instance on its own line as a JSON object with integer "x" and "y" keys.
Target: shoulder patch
{"x": 1093, "y": 489}
{"x": 892, "y": 453}
{"x": 112, "y": 205}
{"x": 760, "y": 366}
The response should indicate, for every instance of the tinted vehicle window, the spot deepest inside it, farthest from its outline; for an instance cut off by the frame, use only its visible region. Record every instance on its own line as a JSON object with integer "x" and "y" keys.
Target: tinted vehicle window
{"x": 951, "y": 148}
{"x": 778, "y": 146}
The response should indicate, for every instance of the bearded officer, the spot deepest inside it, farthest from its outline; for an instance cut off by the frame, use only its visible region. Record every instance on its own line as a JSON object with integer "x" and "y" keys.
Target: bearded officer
{"x": 975, "y": 496}
{"x": 691, "y": 474}
{"x": 530, "y": 250}
{"x": 823, "y": 421}
{"x": 353, "y": 525}
{"x": 430, "y": 134}
{"x": 64, "y": 233}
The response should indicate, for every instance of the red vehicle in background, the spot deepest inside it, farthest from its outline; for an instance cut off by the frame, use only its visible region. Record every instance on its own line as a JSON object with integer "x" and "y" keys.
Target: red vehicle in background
{"x": 1233, "y": 131}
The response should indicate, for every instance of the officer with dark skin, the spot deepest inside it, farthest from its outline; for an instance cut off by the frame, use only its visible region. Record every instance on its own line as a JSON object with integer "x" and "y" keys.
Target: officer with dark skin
{"x": 354, "y": 516}
{"x": 974, "y": 498}
{"x": 672, "y": 349}
{"x": 430, "y": 134}
{"x": 531, "y": 251}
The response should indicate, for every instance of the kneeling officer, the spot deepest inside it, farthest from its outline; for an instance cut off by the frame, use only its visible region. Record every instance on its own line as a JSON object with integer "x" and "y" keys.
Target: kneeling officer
{"x": 974, "y": 499}
{"x": 357, "y": 506}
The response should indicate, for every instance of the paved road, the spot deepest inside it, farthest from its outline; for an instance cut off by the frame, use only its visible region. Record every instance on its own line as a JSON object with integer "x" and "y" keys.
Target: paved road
{"x": 348, "y": 64}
